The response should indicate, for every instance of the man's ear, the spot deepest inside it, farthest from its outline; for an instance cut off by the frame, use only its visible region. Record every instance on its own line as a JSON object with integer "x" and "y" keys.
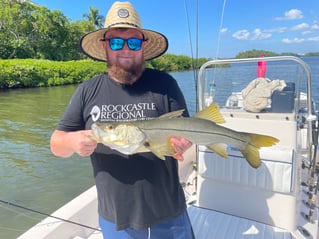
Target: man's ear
{"x": 104, "y": 44}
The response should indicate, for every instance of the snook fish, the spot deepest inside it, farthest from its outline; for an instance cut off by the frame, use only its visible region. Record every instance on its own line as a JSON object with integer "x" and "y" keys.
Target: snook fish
{"x": 201, "y": 129}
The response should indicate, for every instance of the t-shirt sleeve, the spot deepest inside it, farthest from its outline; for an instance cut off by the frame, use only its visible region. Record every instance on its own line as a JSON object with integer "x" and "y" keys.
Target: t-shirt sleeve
{"x": 72, "y": 119}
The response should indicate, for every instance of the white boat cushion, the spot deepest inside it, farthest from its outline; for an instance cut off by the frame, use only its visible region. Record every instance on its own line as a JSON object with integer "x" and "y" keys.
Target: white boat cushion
{"x": 275, "y": 173}
{"x": 209, "y": 224}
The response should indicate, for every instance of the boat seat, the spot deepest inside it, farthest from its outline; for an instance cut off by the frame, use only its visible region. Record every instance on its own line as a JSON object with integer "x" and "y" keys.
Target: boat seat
{"x": 230, "y": 227}
{"x": 233, "y": 187}
{"x": 274, "y": 174}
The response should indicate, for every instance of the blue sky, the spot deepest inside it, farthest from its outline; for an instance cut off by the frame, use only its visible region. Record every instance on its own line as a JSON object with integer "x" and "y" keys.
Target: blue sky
{"x": 273, "y": 25}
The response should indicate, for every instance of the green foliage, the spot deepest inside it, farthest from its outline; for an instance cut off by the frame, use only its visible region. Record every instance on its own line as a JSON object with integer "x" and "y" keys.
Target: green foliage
{"x": 170, "y": 62}
{"x": 94, "y": 17}
{"x": 255, "y": 53}
{"x": 288, "y": 54}
{"x": 18, "y": 73}
{"x": 31, "y": 31}
{"x": 312, "y": 54}
{"x": 37, "y": 73}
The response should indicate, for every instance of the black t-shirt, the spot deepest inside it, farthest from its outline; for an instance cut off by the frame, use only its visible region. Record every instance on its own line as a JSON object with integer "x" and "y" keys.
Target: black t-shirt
{"x": 137, "y": 190}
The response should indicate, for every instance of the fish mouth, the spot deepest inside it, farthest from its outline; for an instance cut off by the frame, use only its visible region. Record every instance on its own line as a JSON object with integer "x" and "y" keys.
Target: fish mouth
{"x": 123, "y": 138}
{"x": 98, "y": 134}
{"x": 104, "y": 135}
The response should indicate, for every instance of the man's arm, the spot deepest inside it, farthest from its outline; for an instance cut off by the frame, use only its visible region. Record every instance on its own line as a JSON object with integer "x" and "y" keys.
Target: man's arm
{"x": 65, "y": 144}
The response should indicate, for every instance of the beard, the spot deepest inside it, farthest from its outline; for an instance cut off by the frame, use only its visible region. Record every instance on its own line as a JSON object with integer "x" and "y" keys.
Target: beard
{"x": 126, "y": 75}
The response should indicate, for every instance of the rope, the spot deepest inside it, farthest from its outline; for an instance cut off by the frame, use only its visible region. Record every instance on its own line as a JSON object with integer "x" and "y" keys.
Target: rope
{"x": 46, "y": 214}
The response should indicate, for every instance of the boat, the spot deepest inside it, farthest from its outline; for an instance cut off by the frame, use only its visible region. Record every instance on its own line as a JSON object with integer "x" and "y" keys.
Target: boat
{"x": 227, "y": 198}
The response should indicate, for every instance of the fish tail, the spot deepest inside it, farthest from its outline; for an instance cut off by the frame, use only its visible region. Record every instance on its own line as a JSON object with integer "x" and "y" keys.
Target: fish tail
{"x": 260, "y": 140}
{"x": 251, "y": 150}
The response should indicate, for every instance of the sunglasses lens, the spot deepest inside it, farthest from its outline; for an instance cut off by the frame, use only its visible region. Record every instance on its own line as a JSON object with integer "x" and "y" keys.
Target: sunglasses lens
{"x": 116, "y": 43}
{"x": 134, "y": 44}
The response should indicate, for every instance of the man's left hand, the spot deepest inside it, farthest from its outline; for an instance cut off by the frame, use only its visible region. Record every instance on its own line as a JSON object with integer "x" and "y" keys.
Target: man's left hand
{"x": 180, "y": 145}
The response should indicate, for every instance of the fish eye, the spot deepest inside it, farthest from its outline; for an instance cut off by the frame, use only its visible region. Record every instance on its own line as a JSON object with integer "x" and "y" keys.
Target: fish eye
{"x": 110, "y": 127}
{"x": 147, "y": 144}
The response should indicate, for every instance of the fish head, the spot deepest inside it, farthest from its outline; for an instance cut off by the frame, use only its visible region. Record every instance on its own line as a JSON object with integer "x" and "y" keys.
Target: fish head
{"x": 123, "y": 137}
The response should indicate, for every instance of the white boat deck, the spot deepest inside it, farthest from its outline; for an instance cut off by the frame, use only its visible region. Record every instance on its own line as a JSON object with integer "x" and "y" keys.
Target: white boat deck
{"x": 230, "y": 227}
{"x": 224, "y": 226}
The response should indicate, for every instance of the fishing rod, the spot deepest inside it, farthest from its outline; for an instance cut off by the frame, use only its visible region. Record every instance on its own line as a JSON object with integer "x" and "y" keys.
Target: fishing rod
{"x": 46, "y": 214}
{"x": 313, "y": 185}
{"x": 211, "y": 85}
{"x": 194, "y": 58}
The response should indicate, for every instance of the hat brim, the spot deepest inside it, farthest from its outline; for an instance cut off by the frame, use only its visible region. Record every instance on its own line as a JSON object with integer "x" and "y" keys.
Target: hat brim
{"x": 90, "y": 44}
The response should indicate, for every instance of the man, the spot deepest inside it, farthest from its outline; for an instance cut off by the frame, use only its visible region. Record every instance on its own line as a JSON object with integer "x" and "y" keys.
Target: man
{"x": 139, "y": 196}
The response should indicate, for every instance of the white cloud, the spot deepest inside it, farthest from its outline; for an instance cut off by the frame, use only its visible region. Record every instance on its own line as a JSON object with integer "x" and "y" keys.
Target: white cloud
{"x": 300, "y": 27}
{"x": 315, "y": 39}
{"x": 256, "y": 34}
{"x": 292, "y": 14}
{"x": 300, "y": 40}
{"x": 294, "y": 40}
{"x": 223, "y": 30}
{"x": 241, "y": 35}
{"x": 277, "y": 30}
{"x": 315, "y": 26}
{"x": 306, "y": 32}
{"x": 260, "y": 35}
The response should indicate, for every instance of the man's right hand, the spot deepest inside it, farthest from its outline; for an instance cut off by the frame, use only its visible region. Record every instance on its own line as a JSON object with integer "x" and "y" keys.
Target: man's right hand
{"x": 65, "y": 144}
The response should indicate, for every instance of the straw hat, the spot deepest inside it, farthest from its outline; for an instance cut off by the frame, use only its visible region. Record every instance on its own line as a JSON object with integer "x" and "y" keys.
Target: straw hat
{"x": 123, "y": 15}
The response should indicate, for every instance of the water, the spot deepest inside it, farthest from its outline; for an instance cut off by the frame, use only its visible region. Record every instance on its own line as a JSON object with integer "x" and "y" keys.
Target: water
{"x": 30, "y": 176}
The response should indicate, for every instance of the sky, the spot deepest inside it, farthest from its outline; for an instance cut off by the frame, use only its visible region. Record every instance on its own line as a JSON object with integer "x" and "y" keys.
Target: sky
{"x": 218, "y": 28}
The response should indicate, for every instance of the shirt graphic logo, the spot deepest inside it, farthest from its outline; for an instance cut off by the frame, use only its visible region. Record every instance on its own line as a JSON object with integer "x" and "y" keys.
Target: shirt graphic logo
{"x": 95, "y": 113}
{"x": 126, "y": 112}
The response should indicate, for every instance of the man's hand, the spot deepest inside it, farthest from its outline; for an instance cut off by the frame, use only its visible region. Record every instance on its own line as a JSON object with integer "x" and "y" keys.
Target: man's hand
{"x": 64, "y": 144}
{"x": 83, "y": 144}
{"x": 180, "y": 145}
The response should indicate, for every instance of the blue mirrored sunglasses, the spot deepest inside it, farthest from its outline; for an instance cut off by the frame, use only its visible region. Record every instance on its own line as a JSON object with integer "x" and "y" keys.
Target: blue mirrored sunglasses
{"x": 117, "y": 43}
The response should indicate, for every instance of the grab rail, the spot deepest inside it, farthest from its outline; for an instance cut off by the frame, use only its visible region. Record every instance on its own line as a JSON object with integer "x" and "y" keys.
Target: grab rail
{"x": 310, "y": 116}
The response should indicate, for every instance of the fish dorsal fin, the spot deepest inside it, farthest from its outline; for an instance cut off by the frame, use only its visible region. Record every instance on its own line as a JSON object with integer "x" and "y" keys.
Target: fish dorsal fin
{"x": 173, "y": 114}
{"x": 211, "y": 113}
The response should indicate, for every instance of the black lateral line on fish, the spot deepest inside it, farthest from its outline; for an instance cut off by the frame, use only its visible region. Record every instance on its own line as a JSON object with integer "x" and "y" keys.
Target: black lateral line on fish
{"x": 203, "y": 132}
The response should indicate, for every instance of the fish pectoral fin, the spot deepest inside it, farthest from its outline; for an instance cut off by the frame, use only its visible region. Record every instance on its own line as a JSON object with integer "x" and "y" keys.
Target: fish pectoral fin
{"x": 211, "y": 113}
{"x": 220, "y": 149}
{"x": 161, "y": 150}
{"x": 158, "y": 154}
{"x": 158, "y": 151}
